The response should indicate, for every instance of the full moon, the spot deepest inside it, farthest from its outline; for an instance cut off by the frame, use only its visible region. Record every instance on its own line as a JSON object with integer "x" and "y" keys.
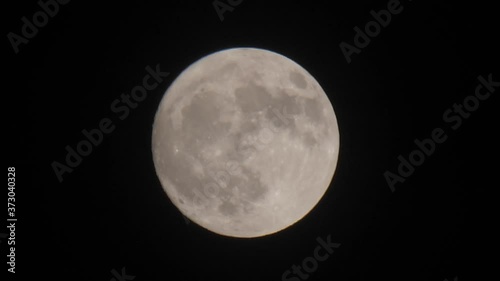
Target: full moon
{"x": 245, "y": 142}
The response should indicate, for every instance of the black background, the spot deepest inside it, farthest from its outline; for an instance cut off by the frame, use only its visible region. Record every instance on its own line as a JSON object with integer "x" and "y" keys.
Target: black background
{"x": 111, "y": 211}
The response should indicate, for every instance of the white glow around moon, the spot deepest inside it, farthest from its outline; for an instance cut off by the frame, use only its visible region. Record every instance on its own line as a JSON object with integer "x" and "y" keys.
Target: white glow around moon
{"x": 245, "y": 142}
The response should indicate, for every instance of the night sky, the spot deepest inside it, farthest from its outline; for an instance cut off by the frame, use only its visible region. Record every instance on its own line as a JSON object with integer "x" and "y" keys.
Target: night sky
{"x": 108, "y": 215}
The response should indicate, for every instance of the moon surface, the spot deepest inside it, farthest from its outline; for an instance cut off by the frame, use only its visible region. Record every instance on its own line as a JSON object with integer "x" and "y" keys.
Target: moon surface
{"x": 245, "y": 142}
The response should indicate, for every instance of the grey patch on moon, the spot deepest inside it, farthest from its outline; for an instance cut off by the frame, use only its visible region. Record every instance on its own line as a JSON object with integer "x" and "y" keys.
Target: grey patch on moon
{"x": 298, "y": 80}
{"x": 245, "y": 142}
{"x": 310, "y": 140}
{"x": 199, "y": 119}
{"x": 313, "y": 110}
{"x": 252, "y": 98}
